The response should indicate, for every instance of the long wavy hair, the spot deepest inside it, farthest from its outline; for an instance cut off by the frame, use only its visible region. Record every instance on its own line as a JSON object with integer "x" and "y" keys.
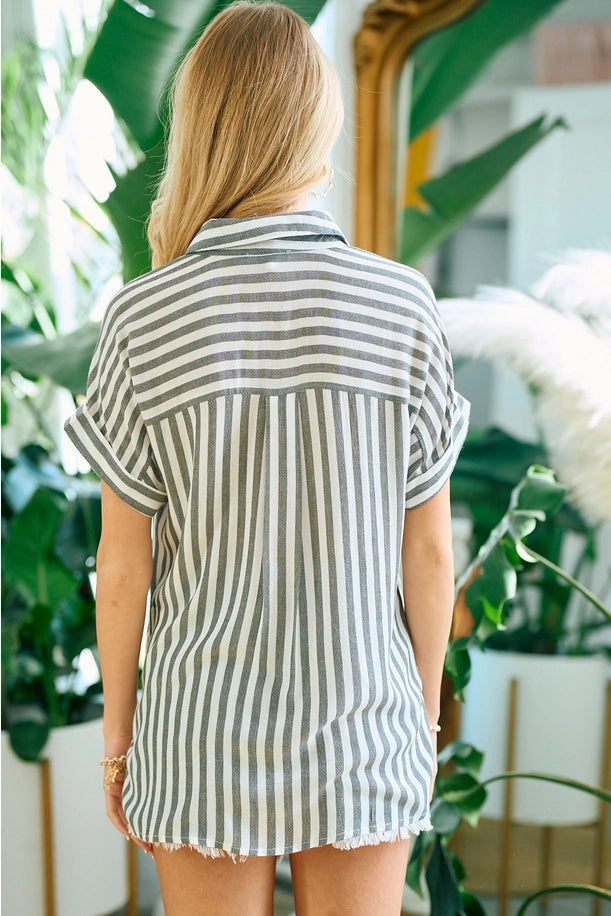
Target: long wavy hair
{"x": 255, "y": 109}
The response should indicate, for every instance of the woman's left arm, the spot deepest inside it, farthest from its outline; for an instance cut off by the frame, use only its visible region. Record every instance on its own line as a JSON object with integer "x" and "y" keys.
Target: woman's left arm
{"x": 124, "y": 569}
{"x": 428, "y": 589}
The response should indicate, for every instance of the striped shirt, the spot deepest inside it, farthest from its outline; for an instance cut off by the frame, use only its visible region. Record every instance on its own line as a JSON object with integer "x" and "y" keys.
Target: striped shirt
{"x": 274, "y": 398}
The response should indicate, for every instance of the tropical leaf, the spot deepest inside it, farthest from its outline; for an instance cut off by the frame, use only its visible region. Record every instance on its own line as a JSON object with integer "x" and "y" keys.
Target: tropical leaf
{"x": 496, "y": 456}
{"x": 65, "y": 360}
{"x": 465, "y": 793}
{"x": 537, "y": 496}
{"x": 29, "y": 727}
{"x": 128, "y": 207}
{"x": 445, "y": 817}
{"x": 457, "y": 664}
{"x": 79, "y": 533}
{"x": 9, "y": 275}
{"x": 24, "y": 117}
{"x": 139, "y": 46}
{"x": 29, "y": 564}
{"x": 74, "y": 629}
{"x": 32, "y": 469}
{"x": 464, "y": 757}
{"x": 471, "y": 905}
{"x": 413, "y": 877}
{"x": 490, "y": 581}
{"x": 495, "y": 584}
{"x": 447, "y": 63}
{"x": 442, "y": 884}
{"x": 451, "y": 197}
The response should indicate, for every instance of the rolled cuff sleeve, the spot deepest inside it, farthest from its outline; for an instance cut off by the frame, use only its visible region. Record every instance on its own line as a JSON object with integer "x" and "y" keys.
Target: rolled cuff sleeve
{"x": 88, "y": 437}
{"x": 431, "y": 463}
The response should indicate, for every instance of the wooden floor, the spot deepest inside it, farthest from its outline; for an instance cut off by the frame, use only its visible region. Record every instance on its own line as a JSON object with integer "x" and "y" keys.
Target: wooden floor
{"x": 573, "y": 857}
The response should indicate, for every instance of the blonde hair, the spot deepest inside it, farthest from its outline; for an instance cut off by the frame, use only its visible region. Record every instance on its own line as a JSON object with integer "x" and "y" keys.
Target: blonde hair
{"x": 256, "y": 107}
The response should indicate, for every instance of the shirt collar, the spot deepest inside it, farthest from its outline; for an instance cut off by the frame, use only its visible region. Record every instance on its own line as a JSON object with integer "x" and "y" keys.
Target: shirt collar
{"x": 307, "y": 230}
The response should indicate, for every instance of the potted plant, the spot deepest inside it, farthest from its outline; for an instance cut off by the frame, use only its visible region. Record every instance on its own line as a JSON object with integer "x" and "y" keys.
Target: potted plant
{"x": 561, "y": 700}
{"x": 542, "y": 623}
{"x": 51, "y": 696}
{"x": 63, "y": 855}
{"x": 465, "y": 781}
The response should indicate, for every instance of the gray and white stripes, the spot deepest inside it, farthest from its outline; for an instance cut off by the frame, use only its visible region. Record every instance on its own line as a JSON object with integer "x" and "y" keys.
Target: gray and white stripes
{"x": 275, "y": 398}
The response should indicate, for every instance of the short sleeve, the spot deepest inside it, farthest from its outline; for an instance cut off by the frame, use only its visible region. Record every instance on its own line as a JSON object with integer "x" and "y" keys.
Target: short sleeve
{"x": 440, "y": 425}
{"x": 108, "y": 428}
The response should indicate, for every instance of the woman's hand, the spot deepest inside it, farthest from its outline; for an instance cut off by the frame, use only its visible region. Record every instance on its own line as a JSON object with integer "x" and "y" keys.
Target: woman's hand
{"x": 114, "y": 795}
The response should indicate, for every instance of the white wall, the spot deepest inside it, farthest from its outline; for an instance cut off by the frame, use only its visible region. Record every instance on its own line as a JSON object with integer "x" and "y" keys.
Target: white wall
{"x": 561, "y": 194}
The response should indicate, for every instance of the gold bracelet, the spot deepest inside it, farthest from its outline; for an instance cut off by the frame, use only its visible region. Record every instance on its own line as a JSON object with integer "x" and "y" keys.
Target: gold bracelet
{"x": 117, "y": 767}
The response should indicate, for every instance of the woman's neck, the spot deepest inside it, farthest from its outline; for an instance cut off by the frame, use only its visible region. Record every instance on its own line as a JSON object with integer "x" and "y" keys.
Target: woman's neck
{"x": 297, "y": 206}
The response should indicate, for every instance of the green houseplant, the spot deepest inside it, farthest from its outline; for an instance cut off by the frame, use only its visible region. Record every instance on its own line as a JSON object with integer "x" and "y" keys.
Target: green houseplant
{"x": 544, "y": 613}
{"x": 50, "y": 529}
{"x": 50, "y": 519}
{"x": 51, "y": 696}
{"x": 460, "y": 790}
{"x": 541, "y": 665}
{"x": 521, "y": 599}
{"x": 51, "y": 691}
{"x": 556, "y": 340}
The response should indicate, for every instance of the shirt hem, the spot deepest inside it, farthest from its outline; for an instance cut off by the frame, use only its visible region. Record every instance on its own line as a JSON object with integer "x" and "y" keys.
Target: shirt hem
{"x": 356, "y": 841}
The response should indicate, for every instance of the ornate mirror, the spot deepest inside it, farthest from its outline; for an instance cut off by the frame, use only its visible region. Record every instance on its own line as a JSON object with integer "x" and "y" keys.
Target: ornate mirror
{"x": 390, "y": 30}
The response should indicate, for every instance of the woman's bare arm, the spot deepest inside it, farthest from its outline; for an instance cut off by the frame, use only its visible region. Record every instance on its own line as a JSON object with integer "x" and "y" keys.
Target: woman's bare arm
{"x": 428, "y": 587}
{"x": 124, "y": 569}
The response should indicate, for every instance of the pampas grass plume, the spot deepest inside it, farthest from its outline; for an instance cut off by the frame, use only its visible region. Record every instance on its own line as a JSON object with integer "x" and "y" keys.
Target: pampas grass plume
{"x": 558, "y": 340}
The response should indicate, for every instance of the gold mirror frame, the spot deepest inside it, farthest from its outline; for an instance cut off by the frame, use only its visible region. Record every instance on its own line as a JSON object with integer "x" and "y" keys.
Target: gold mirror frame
{"x": 390, "y": 29}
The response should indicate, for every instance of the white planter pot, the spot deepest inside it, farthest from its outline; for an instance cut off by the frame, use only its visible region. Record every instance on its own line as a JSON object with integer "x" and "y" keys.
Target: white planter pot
{"x": 90, "y": 856}
{"x": 559, "y": 729}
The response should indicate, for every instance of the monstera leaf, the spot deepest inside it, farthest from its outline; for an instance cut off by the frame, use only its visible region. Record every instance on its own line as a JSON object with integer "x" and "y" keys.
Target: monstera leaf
{"x": 490, "y": 581}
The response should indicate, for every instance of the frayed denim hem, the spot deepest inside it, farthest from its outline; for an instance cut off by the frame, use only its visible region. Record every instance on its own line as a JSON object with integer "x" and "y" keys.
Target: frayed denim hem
{"x": 355, "y": 842}
{"x": 374, "y": 839}
{"x": 209, "y": 852}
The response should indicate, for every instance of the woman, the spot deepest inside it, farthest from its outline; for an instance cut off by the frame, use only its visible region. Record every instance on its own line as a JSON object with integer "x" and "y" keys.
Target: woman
{"x": 281, "y": 406}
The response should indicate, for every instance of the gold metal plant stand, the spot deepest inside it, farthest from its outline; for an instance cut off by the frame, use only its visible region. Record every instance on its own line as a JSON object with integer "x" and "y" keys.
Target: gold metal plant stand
{"x": 47, "y": 833}
{"x": 546, "y": 853}
{"x": 605, "y": 781}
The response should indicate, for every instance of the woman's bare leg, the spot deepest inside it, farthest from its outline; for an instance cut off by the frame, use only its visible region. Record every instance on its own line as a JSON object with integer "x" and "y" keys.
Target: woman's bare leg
{"x": 195, "y": 885}
{"x": 353, "y": 882}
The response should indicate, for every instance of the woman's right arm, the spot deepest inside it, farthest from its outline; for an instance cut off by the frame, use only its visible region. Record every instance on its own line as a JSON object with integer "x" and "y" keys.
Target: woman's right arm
{"x": 124, "y": 569}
